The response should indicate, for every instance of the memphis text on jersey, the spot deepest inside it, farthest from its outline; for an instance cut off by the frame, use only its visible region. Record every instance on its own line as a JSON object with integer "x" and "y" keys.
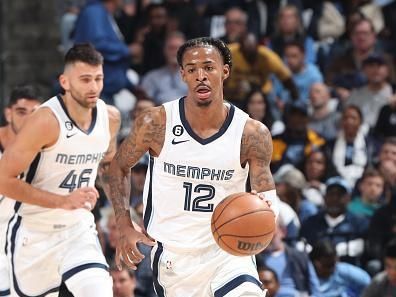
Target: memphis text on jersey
{"x": 79, "y": 159}
{"x": 197, "y": 172}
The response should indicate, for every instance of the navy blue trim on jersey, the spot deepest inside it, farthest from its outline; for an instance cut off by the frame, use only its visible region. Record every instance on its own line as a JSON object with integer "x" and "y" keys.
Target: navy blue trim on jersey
{"x": 68, "y": 274}
{"x": 231, "y": 285}
{"x": 8, "y": 230}
{"x": 5, "y": 292}
{"x": 191, "y": 132}
{"x": 94, "y": 116}
{"x": 16, "y": 287}
{"x": 149, "y": 203}
{"x": 157, "y": 286}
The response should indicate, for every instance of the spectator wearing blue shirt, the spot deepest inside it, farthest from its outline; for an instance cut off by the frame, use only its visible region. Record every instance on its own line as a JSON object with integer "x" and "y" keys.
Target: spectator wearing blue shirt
{"x": 345, "y": 230}
{"x": 337, "y": 279}
{"x": 293, "y": 268}
{"x": 289, "y": 26}
{"x": 305, "y": 74}
{"x": 97, "y": 26}
{"x": 165, "y": 83}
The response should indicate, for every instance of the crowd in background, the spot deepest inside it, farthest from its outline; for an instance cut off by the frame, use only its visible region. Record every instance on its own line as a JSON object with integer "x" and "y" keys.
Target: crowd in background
{"x": 321, "y": 76}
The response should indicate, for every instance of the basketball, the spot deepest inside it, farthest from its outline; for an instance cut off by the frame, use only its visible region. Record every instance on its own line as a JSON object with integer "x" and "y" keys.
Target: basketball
{"x": 243, "y": 224}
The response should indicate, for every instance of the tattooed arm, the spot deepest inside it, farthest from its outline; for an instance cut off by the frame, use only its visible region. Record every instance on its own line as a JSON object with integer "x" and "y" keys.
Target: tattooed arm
{"x": 256, "y": 149}
{"x": 147, "y": 135}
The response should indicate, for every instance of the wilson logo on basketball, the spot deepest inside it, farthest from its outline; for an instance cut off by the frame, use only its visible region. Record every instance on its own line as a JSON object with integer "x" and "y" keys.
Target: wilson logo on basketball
{"x": 249, "y": 246}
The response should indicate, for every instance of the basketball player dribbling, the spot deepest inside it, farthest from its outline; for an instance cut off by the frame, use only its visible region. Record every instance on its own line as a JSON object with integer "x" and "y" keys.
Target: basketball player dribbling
{"x": 23, "y": 101}
{"x": 58, "y": 150}
{"x": 201, "y": 150}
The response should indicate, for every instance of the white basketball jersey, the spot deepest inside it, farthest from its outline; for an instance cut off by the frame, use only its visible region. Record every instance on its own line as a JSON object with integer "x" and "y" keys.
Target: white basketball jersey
{"x": 190, "y": 177}
{"x": 71, "y": 163}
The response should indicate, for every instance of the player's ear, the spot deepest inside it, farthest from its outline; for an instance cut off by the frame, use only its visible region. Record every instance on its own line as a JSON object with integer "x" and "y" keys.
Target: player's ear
{"x": 7, "y": 114}
{"x": 64, "y": 82}
{"x": 182, "y": 74}
{"x": 226, "y": 71}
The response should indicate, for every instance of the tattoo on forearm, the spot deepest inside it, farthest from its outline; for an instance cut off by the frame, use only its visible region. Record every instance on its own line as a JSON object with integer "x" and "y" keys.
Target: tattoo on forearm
{"x": 256, "y": 147}
{"x": 148, "y": 134}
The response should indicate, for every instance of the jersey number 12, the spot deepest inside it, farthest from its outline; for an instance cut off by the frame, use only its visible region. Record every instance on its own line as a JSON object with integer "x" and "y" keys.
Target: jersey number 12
{"x": 195, "y": 204}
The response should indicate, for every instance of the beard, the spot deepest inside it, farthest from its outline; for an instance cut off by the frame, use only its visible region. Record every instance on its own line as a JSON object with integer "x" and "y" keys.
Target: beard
{"x": 79, "y": 99}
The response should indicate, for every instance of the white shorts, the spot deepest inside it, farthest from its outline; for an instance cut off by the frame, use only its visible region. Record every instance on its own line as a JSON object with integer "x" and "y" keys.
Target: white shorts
{"x": 42, "y": 256}
{"x": 205, "y": 273}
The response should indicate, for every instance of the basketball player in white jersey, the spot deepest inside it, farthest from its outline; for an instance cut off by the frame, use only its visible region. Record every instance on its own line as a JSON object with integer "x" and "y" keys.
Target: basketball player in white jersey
{"x": 59, "y": 149}
{"x": 202, "y": 149}
{"x": 23, "y": 101}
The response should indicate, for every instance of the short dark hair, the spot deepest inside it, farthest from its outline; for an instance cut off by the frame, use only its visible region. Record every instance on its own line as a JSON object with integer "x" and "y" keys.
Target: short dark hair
{"x": 390, "y": 249}
{"x": 390, "y": 140}
{"x": 114, "y": 267}
{"x": 23, "y": 92}
{"x": 322, "y": 249}
{"x": 371, "y": 172}
{"x": 355, "y": 108}
{"x": 266, "y": 268}
{"x": 202, "y": 42}
{"x": 297, "y": 43}
{"x": 83, "y": 52}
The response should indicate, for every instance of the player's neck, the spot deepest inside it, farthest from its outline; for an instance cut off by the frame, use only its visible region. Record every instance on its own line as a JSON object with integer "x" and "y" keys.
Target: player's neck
{"x": 205, "y": 119}
{"x": 82, "y": 116}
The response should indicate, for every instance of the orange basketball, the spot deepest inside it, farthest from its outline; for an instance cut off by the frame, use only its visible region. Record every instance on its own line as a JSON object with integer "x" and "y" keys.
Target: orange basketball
{"x": 243, "y": 224}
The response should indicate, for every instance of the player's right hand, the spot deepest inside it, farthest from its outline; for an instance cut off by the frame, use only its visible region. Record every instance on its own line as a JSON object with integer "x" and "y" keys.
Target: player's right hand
{"x": 127, "y": 250}
{"x": 80, "y": 198}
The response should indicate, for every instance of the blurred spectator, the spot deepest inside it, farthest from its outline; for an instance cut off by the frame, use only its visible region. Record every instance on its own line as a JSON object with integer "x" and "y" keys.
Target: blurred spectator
{"x": 384, "y": 284}
{"x": 165, "y": 84}
{"x": 344, "y": 72}
{"x": 337, "y": 278}
{"x": 290, "y": 183}
{"x": 350, "y": 150}
{"x": 371, "y": 187}
{"x": 324, "y": 118}
{"x": 124, "y": 281}
{"x": 370, "y": 10}
{"x": 96, "y": 25}
{"x": 184, "y": 17}
{"x": 345, "y": 230}
{"x": 293, "y": 268}
{"x": 376, "y": 93}
{"x": 304, "y": 73}
{"x": 289, "y": 27}
{"x": 386, "y": 122}
{"x": 154, "y": 38}
{"x": 269, "y": 279}
{"x": 235, "y": 25}
{"x": 67, "y": 24}
{"x": 297, "y": 141}
{"x": 252, "y": 65}
{"x": 317, "y": 169}
{"x": 383, "y": 223}
{"x": 127, "y": 20}
{"x": 258, "y": 108}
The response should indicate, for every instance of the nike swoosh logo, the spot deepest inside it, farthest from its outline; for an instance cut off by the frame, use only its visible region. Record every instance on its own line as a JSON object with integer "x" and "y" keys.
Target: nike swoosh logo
{"x": 70, "y": 135}
{"x": 181, "y": 141}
